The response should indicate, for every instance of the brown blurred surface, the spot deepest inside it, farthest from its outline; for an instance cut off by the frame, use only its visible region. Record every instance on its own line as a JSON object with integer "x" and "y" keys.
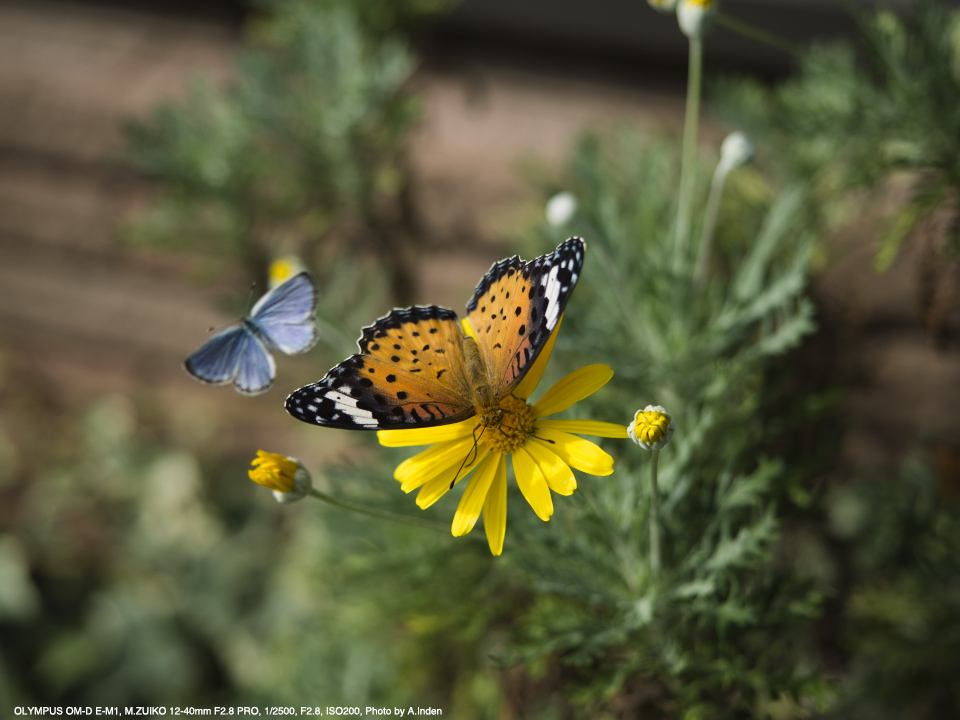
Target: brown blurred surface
{"x": 81, "y": 314}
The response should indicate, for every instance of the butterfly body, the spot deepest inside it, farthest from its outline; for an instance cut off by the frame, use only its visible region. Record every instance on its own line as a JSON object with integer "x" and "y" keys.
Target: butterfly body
{"x": 418, "y": 368}
{"x": 283, "y": 319}
{"x": 484, "y": 402}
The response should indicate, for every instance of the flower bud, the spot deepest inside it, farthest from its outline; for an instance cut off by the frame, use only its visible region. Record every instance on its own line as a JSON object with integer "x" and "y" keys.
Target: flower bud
{"x": 651, "y": 428}
{"x": 735, "y": 150}
{"x": 561, "y": 208}
{"x": 694, "y": 16}
{"x": 286, "y": 476}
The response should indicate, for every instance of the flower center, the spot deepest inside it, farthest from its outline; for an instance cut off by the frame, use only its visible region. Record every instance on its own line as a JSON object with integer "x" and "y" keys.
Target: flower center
{"x": 516, "y": 425}
{"x": 651, "y": 425}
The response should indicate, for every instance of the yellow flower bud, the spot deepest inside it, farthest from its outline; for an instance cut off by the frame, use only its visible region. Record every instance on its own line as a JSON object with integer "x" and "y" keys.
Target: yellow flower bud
{"x": 651, "y": 428}
{"x": 286, "y": 476}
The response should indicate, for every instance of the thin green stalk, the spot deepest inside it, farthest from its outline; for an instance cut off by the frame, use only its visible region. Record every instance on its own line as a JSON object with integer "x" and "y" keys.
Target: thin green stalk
{"x": 759, "y": 35}
{"x": 654, "y": 515}
{"x": 688, "y": 164}
{"x": 709, "y": 226}
{"x": 379, "y": 514}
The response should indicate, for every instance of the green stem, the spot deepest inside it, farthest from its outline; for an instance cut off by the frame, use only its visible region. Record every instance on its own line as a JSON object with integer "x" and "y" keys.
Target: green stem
{"x": 379, "y": 514}
{"x": 709, "y": 227}
{"x": 689, "y": 160}
{"x": 759, "y": 35}
{"x": 654, "y": 516}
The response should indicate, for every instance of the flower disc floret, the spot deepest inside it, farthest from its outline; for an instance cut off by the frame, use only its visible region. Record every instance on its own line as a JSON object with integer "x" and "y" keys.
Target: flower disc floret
{"x": 516, "y": 425}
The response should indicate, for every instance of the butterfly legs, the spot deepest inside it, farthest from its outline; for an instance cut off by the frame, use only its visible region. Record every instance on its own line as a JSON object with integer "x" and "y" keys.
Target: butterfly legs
{"x": 473, "y": 452}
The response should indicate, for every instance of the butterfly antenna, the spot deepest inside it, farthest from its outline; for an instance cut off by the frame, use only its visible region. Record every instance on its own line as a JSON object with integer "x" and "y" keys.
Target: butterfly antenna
{"x": 221, "y": 325}
{"x": 253, "y": 285}
{"x": 473, "y": 451}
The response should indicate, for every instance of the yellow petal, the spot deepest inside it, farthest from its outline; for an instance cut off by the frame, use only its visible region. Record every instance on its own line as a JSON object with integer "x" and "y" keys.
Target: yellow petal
{"x": 585, "y": 427}
{"x": 433, "y": 458}
{"x": 277, "y": 472}
{"x": 474, "y": 496}
{"x": 426, "y": 436}
{"x": 578, "y": 453}
{"x": 573, "y": 388}
{"x": 468, "y": 328}
{"x": 532, "y": 378}
{"x": 558, "y": 474}
{"x": 437, "y": 486}
{"x": 495, "y": 509}
{"x": 532, "y": 484}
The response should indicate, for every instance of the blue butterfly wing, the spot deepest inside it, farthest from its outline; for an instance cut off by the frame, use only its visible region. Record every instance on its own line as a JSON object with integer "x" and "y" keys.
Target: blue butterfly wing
{"x": 257, "y": 368}
{"x": 217, "y": 362}
{"x": 235, "y": 355}
{"x": 284, "y": 317}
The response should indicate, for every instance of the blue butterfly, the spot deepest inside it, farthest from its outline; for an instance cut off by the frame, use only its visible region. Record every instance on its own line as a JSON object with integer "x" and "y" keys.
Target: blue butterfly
{"x": 283, "y": 319}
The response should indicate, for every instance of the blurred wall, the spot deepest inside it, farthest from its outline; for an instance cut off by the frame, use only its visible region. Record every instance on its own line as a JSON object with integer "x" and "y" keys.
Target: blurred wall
{"x": 608, "y": 31}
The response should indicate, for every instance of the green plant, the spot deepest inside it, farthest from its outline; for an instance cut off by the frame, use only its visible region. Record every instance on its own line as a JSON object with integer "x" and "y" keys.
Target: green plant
{"x": 717, "y": 632}
{"x": 309, "y": 137}
{"x": 899, "y": 542}
{"x": 844, "y": 123}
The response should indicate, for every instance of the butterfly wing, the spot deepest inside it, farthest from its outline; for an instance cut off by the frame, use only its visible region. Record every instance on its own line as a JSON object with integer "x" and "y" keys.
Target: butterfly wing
{"x": 516, "y": 307}
{"x": 257, "y": 368}
{"x": 284, "y": 317}
{"x": 409, "y": 373}
{"x": 233, "y": 355}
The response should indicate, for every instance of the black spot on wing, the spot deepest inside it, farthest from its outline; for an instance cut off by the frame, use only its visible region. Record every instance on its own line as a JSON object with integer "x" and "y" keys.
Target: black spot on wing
{"x": 505, "y": 268}
{"x": 397, "y": 319}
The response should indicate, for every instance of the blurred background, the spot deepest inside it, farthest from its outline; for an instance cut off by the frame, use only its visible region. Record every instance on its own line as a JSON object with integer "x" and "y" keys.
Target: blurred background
{"x": 155, "y": 157}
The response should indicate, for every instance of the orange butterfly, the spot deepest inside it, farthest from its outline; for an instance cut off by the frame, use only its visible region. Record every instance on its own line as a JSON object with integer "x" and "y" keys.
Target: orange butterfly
{"x": 417, "y": 368}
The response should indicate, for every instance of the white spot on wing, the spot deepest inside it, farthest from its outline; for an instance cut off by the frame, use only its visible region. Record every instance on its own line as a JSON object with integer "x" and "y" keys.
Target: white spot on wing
{"x": 552, "y": 293}
{"x": 348, "y": 405}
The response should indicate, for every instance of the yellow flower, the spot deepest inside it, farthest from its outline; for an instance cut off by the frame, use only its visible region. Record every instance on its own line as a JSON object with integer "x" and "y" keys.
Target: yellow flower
{"x": 286, "y": 476}
{"x": 543, "y": 451}
{"x": 284, "y": 268}
{"x": 651, "y": 428}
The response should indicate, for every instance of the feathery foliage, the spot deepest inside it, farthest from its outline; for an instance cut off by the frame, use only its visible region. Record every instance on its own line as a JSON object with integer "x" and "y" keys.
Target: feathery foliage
{"x": 847, "y": 121}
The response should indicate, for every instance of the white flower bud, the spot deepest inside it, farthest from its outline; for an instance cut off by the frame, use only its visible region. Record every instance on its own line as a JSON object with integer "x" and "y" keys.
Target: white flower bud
{"x": 561, "y": 208}
{"x": 736, "y": 150}
{"x": 694, "y": 16}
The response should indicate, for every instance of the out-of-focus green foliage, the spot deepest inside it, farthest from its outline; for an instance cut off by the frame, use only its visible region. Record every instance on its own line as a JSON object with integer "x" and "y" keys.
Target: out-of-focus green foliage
{"x": 383, "y": 18}
{"x": 309, "y": 135}
{"x": 140, "y": 568}
{"x": 846, "y": 123}
{"x": 899, "y": 546}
